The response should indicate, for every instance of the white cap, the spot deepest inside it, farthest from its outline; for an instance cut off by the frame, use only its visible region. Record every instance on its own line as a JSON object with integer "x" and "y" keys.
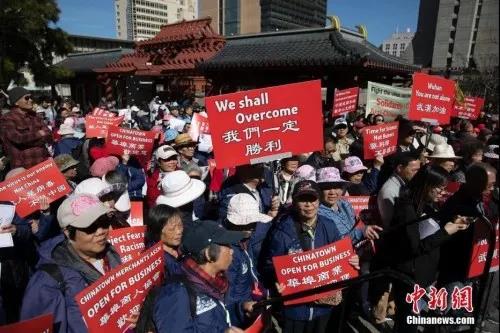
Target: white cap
{"x": 243, "y": 209}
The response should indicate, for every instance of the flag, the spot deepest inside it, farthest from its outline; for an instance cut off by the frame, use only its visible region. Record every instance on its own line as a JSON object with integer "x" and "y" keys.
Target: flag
{"x": 459, "y": 95}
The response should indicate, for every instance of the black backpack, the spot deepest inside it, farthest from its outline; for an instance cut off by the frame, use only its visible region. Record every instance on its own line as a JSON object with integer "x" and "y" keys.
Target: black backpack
{"x": 145, "y": 324}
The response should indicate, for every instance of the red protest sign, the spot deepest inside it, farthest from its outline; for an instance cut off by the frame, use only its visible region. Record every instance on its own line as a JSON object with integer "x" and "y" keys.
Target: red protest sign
{"x": 380, "y": 139}
{"x": 314, "y": 268}
{"x": 450, "y": 189}
{"x": 25, "y": 189}
{"x": 97, "y": 126}
{"x": 365, "y": 208}
{"x": 432, "y": 99}
{"x": 40, "y": 324}
{"x": 199, "y": 125}
{"x": 107, "y": 303}
{"x": 128, "y": 242}
{"x": 470, "y": 110}
{"x": 345, "y": 101}
{"x": 135, "y": 142}
{"x": 103, "y": 113}
{"x": 480, "y": 249}
{"x": 259, "y": 125}
{"x": 136, "y": 217}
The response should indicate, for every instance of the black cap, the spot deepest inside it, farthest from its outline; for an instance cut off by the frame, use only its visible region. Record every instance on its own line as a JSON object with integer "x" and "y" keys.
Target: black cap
{"x": 306, "y": 187}
{"x": 201, "y": 234}
{"x": 16, "y": 93}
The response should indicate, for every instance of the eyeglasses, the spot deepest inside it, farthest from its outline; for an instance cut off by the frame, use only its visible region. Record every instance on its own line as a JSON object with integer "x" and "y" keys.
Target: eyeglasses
{"x": 103, "y": 223}
{"x": 28, "y": 97}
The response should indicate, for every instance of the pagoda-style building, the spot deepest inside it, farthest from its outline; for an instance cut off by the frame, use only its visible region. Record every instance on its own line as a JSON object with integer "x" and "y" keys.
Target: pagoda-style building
{"x": 166, "y": 64}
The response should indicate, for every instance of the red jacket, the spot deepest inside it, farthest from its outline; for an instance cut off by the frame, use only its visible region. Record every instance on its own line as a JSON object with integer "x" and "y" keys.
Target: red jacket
{"x": 153, "y": 191}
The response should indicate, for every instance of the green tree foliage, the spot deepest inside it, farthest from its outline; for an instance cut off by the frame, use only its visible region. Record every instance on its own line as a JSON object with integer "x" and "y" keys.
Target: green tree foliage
{"x": 483, "y": 84}
{"x": 29, "y": 37}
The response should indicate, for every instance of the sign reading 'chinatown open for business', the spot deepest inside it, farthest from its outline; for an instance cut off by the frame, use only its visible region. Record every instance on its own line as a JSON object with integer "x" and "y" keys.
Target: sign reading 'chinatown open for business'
{"x": 259, "y": 125}
{"x": 315, "y": 268}
{"x": 108, "y": 302}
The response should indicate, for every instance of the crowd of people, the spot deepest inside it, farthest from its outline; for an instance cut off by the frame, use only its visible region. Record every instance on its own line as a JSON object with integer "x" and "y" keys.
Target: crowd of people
{"x": 220, "y": 229}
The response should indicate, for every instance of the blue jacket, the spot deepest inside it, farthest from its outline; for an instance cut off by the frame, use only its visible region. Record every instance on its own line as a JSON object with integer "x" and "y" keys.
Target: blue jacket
{"x": 283, "y": 240}
{"x": 43, "y": 295}
{"x": 172, "y": 312}
{"x": 344, "y": 219}
{"x": 172, "y": 266}
{"x": 66, "y": 146}
{"x": 136, "y": 179}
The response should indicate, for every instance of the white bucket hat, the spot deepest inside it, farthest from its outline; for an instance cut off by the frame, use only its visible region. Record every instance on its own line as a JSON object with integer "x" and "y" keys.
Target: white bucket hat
{"x": 444, "y": 151}
{"x": 243, "y": 209}
{"x": 65, "y": 129}
{"x": 179, "y": 189}
{"x": 123, "y": 202}
{"x": 435, "y": 140}
{"x": 98, "y": 187}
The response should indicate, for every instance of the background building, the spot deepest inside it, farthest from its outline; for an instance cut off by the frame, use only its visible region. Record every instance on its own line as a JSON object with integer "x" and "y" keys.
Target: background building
{"x": 239, "y": 17}
{"x": 398, "y": 42}
{"x": 142, "y": 19}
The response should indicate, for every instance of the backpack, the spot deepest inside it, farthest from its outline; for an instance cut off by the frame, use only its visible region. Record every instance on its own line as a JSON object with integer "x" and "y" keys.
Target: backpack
{"x": 145, "y": 322}
{"x": 54, "y": 272}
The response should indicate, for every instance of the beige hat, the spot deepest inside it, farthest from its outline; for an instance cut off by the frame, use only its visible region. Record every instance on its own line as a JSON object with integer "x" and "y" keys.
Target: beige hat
{"x": 80, "y": 211}
{"x": 65, "y": 129}
{"x": 434, "y": 140}
{"x": 165, "y": 152}
{"x": 183, "y": 140}
{"x": 444, "y": 151}
{"x": 65, "y": 161}
{"x": 243, "y": 209}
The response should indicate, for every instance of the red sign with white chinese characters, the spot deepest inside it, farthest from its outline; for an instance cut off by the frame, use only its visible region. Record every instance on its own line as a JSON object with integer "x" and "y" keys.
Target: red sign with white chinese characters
{"x": 380, "y": 139}
{"x": 199, "y": 125}
{"x": 365, "y": 208}
{"x": 345, "y": 101}
{"x": 266, "y": 124}
{"x": 470, "y": 110}
{"x": 25, "y": 189}
{"x": 432, "y": 99}
{"x": 40, "y": 324}
{"x": 314, "y": 268}
{"x": 106, "y": 304}
{"x": 136, "y": 217}
{"x": 128, "y": 242}
{"x": 134, "y": 142}
{"x": 103, "y": 113}
{"x": 97, "y": 126}
{"x": 480, "y": 249}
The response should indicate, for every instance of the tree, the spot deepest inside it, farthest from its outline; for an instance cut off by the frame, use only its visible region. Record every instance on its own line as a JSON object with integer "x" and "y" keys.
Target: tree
{"x": 29, "y": 38}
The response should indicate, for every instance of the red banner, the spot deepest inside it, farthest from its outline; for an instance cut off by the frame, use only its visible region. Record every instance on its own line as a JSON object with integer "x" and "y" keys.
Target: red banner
{"x": 470, "y": 110}
{"x": 103, "y": 113}
{"x": 97, "y": 126}
{"x": 199, "y": 125}
{"x": 25, "y": 189}
{"x": 345, "y": 101}
{"x": 365, "y": 208}
{"x": 432, "y": 99}
{"x": 136, "y": 217}
{"x": 107, "y": 303}
{"x": 480, "y": 249}
{"x": 314, "y": 268}
{"x": 128, "y": 242}
{"x": 40, "y": 324}
{"x": 380, "y": 139}
{"x": 135, "y": 142}
{"x": 266, "y": 124}
{"x": 450, "y": 189}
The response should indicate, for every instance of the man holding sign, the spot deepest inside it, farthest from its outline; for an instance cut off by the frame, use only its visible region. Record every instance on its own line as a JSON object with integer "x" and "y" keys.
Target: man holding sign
{"x": 300, "y": 231}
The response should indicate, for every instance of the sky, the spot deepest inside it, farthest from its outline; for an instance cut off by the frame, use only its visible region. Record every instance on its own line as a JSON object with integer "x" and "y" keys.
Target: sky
{"x": 381, "y": 17}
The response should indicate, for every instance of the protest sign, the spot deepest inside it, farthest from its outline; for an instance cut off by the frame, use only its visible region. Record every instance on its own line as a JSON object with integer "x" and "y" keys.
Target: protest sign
{"x": 450, "y": 189}
{"x": 470, "y": 110}
{"x": 380, "y": 140}
{"x": 136, "y": 217}
{"x": 386, "y": 100}
{"x": 314, "y": 268}
{"x": 345, "y": 101}
{"x": 199, "y": 125}
{"x": 107, "y": 303}
{"x": 176, "y": 124}
{"x": 134, "y": 142}
{"x": 432, "y": 99}
{"x": 26, "y": 188}
{"x": 40, "y": 324}
{"x": 103, "y": 113}
{"x": 266, "y": 124}
{"x": 97, "y": 126}
{"x": 128, "y": 242}
{"x": 365, "y": 208}
{"x": 480, "y": 249}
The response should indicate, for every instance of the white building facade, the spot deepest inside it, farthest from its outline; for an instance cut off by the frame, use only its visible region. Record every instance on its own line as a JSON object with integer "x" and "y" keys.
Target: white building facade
{"x": 398, "y": 43}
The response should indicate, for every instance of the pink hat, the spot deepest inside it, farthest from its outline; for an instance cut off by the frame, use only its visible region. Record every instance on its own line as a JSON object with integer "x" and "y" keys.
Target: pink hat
{"x": 329, "y": 175}
{"x": 305, "y": 172}
{"x": 353, "y": 164}
{"x": 103, "y": 165}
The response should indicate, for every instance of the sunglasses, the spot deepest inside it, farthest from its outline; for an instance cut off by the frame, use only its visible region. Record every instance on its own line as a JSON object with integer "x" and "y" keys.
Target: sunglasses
{"x": 195, "y": 177}
{"x": 28, "y": 97}
{"x": 103, "y": 223}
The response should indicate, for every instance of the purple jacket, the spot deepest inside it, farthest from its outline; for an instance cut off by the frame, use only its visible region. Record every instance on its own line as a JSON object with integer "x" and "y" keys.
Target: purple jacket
{"x": 43, "y": 294}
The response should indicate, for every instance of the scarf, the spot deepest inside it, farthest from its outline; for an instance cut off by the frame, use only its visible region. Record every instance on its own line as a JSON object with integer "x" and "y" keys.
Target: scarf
{"x": 215, "y": 287}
